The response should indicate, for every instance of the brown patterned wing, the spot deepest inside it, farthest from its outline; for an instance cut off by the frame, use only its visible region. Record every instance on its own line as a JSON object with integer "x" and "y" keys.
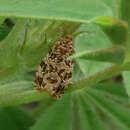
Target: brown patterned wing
{"x": 55, "y": 72}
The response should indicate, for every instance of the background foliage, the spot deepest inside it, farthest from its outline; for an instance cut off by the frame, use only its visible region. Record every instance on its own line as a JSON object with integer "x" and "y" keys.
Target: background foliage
{"x": 98, "y": 97}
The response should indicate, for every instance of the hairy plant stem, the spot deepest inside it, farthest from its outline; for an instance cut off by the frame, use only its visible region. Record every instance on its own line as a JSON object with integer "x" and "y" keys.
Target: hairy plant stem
{"x": 116, "y": 54}
{"x": 99, "y": 76}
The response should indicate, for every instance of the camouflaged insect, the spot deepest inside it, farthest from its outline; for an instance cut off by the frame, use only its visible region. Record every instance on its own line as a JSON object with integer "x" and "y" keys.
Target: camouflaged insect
{"x": 55, "y": 71}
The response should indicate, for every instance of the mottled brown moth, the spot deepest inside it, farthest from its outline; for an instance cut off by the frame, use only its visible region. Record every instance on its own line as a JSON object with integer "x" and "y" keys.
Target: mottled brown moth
{"x": 55, "y": 71}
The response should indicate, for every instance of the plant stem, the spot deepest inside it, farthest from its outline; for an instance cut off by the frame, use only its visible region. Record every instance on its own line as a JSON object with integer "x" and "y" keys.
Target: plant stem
{"x": 99, "y": 76}
{"x": 115, "y": 54}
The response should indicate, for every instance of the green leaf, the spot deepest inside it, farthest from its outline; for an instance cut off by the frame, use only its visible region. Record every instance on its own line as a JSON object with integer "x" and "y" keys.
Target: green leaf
{"x": 79, "y": 111}
{"x": 44, "y": 105}
{"x": 57, "y": 117}
{"x": 9, "y": 50}
{"x": 112, "y": 104}
{"x": 116, "y": 112}
{"x": 81, "y": 11}
{"x": 94, "y": 40}
{"x": 116, "y": 30}
{"x": 88, "y": 117}
{"x": 111, "y": 90}
{"x": 85, "y": 11}
{"x": 13, "y": 118}
{"x": 126, "y": 77}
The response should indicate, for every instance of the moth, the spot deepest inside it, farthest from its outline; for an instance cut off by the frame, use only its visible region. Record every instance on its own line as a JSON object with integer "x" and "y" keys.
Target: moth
{"x": 55, "y": 71}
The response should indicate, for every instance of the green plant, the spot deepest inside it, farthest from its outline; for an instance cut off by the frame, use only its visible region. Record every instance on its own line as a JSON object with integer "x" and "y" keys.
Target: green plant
{"x": 97, "y": 99}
